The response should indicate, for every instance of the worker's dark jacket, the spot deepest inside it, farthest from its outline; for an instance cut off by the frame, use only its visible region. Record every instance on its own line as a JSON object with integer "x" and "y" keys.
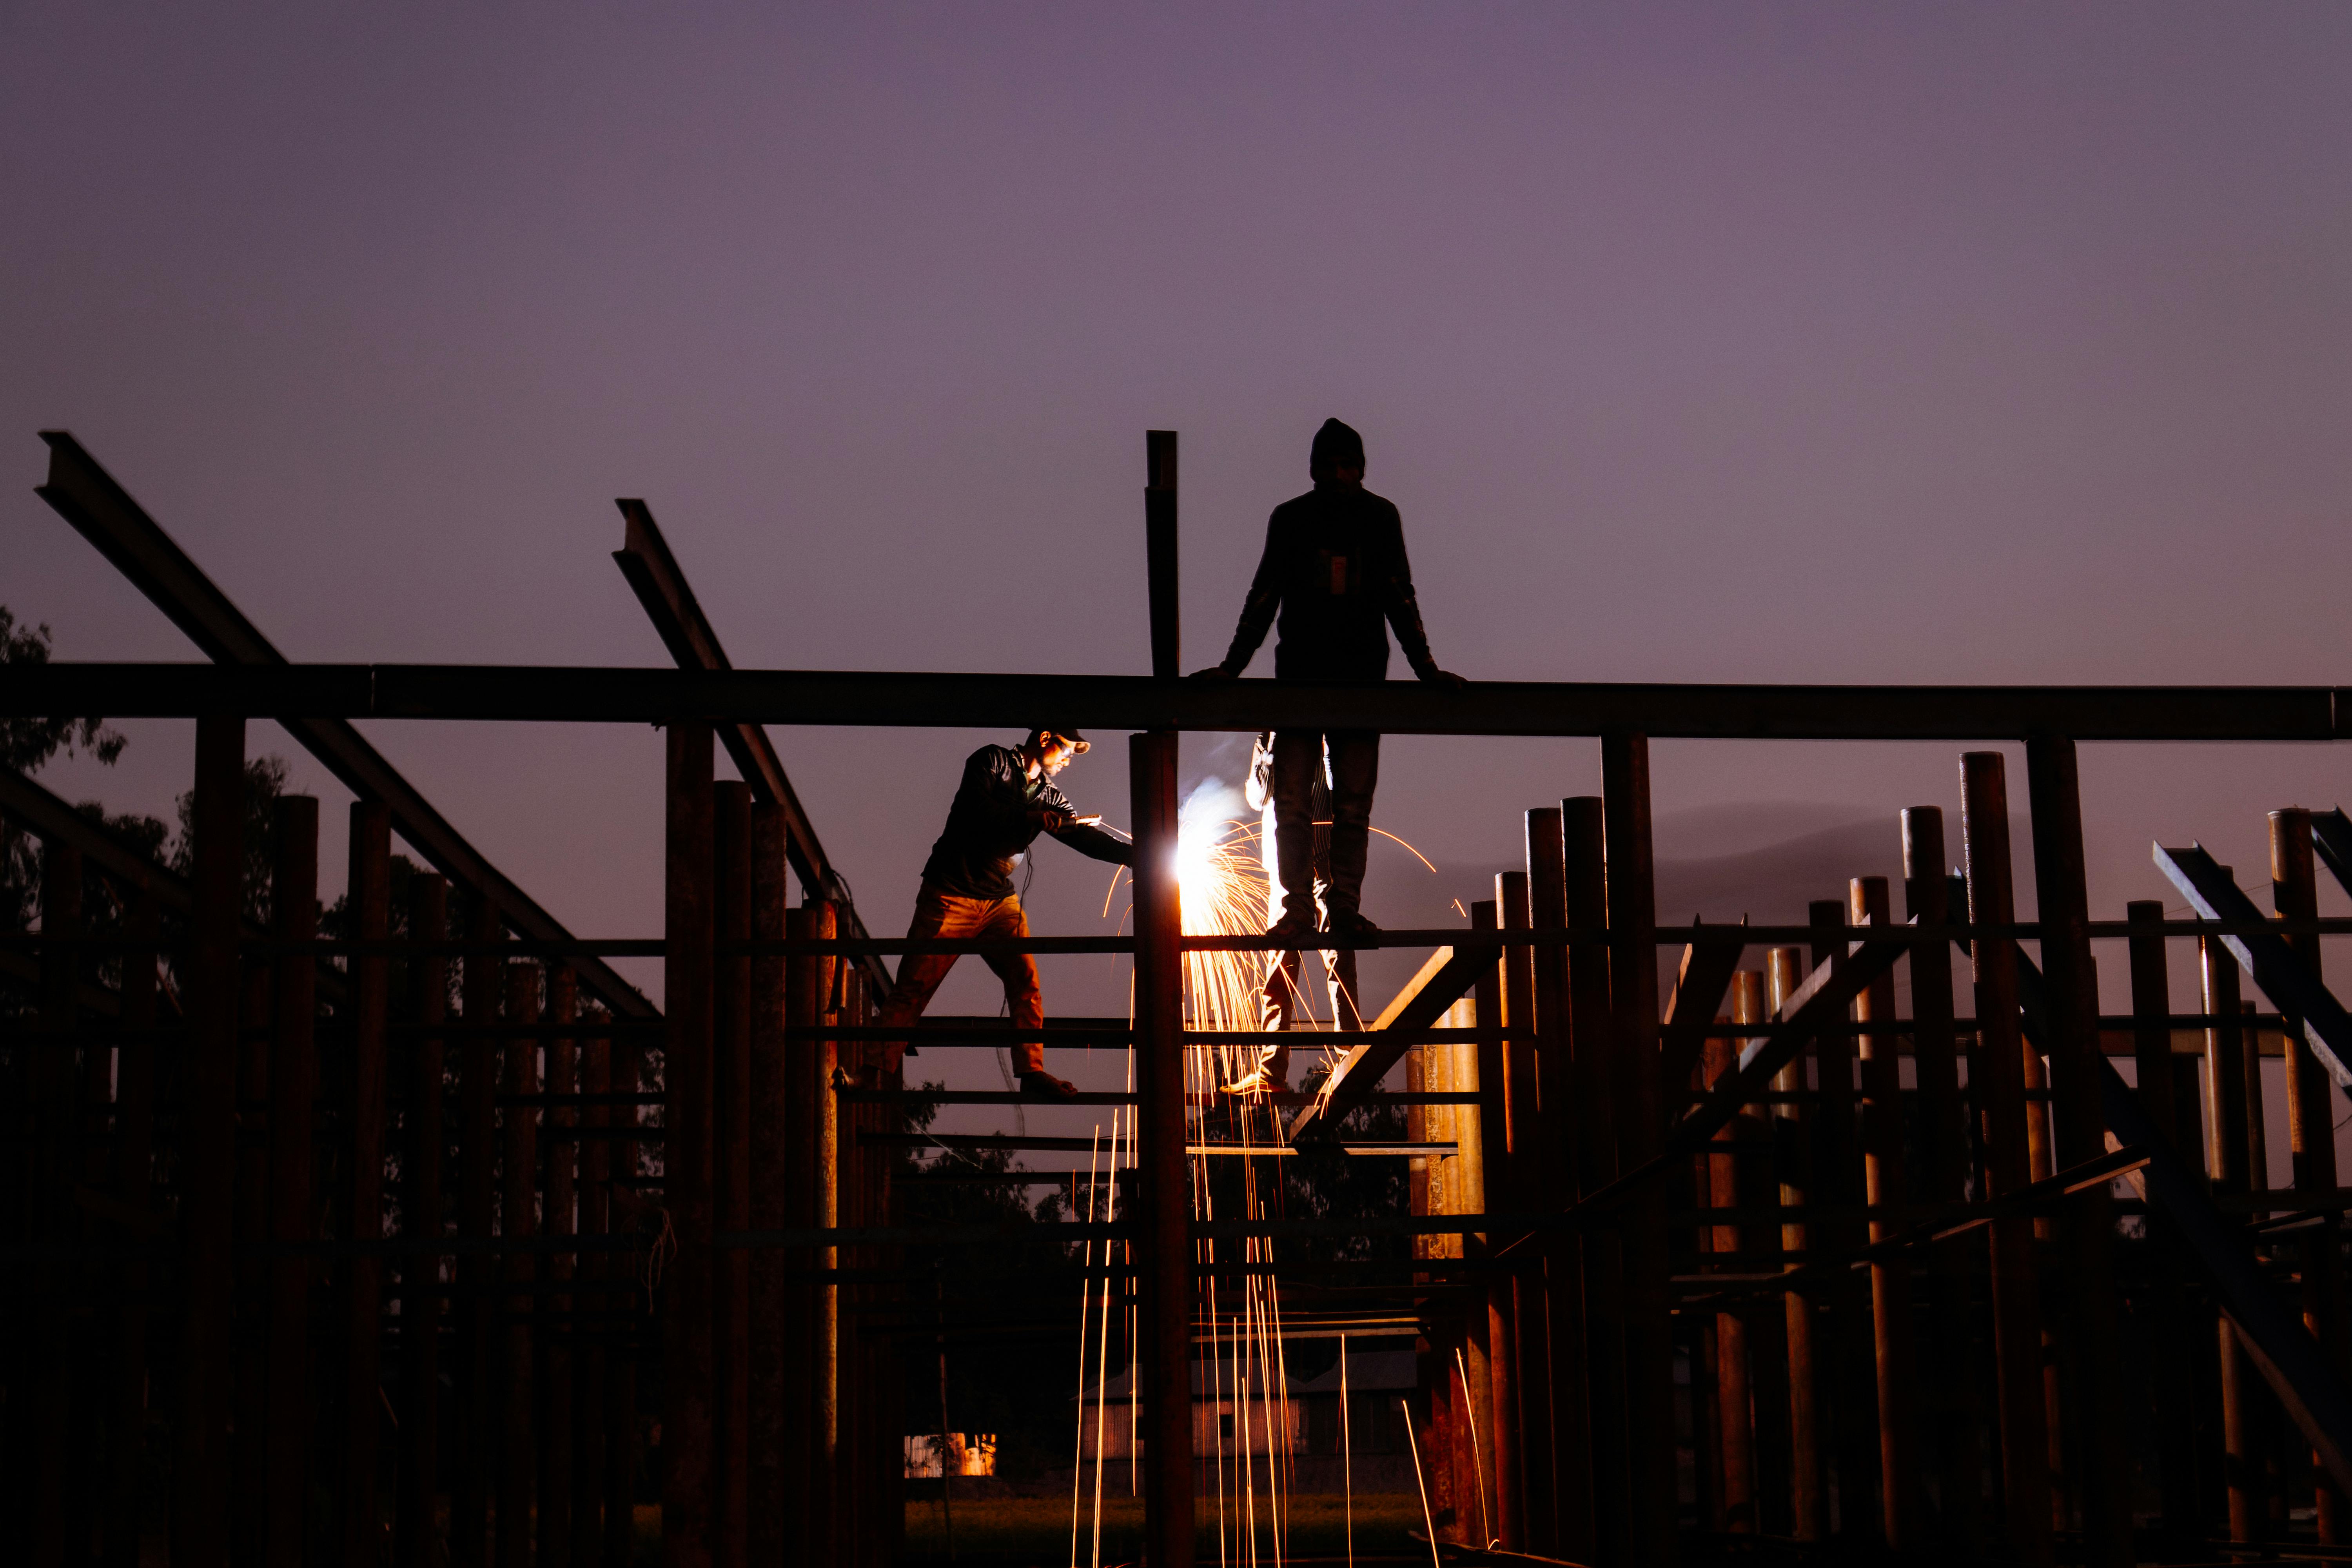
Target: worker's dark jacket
{"x": 990, "y": 828}
{"x": 1335, "y": 565}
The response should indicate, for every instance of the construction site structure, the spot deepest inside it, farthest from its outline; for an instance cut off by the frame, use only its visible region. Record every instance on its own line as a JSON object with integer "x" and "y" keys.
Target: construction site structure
{"x": 1749, "y": 1247}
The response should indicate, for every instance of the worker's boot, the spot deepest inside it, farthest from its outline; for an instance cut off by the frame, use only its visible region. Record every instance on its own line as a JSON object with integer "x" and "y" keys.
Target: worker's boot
{"x": 1045, "y": 1086}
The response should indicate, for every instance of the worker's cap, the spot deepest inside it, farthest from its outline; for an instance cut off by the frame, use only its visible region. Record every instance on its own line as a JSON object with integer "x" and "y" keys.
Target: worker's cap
{"x": 1337, "y": 445}
{"x": 1079, "y": 744}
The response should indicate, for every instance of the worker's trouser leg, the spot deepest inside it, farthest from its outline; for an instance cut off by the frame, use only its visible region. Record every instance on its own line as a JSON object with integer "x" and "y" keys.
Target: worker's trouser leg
{"x": 997, "y": 920}
{"x": 1355, "y": 773}
{"x": 1297, "y": 756}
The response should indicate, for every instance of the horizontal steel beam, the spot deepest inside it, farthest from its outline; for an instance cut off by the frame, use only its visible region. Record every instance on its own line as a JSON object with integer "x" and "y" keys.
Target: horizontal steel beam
{"x": 102, "y": 512}
{"x": 633, "y": 695}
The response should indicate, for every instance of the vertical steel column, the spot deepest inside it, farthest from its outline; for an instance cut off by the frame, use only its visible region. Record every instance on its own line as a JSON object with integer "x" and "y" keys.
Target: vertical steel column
{"x": 134, "y": 1150}
{"x": 2310, "y": 1113}
{"x": 1846, "y": 1302}
{"x": 200, "y": 1472}
{"x": 1634, "y": 997}
{"x": 293, "y": 1089}
{"x": 559, "y": 1330}
{"x": 1997, "y": 1081}
{"x": 687, "y": 978}
{"x": 592, "y": 1354}
{"x": 1596, "y": 1458}
{"x": 518, "y": 1221}
{"x": 770, "y": 1055}
{"x": 1944, "y": 1159}
{"x": 1735, "y": 1437}
{"x": 47, "y": 1363}
{"x": 1886, "y": 1188}
{"x": 2173, "y": 1345}
{"x": 808, "y": 981}
{"x": 1159, "y": 552}
{"x": 422, "y": 1218}
{"x": 1763, "y": 1337}
{"x": 1530, "y": 1132}
{"x": 1585, "y": 1464}
{"x": 475, "y": 1462}
{"x": 2075, "y": 1066}
{"x": 1499, "y": 1191}
{"x": 731, "y": 1172}
{"x": 622, "y": 1352}
{"x": 1809, "y": 1492}
{"x": 1165, "y": 1212}
{"x": 2228, "y": 1161}
{"x": 249, "y": 1454}
{"x": 368, "y": 904}
{"x": 829, "y": 1516}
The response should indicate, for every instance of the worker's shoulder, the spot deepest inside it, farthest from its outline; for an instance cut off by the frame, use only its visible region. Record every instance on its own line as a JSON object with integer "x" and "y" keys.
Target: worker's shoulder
{"x": 1345, "y": 503}
{"x": 992, "y": 759}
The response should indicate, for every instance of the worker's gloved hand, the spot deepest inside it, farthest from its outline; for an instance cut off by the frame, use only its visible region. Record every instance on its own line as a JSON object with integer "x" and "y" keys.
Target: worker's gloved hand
{"x": 1437, "y": 677}
{"x": 1049, "y": 820}
{"x": 1216, "y": 673}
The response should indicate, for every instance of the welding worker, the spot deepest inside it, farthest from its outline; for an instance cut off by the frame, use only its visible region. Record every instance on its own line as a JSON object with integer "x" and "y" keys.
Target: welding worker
{"x": 1335, "y": 568}
{"x": 1006, "y": 798}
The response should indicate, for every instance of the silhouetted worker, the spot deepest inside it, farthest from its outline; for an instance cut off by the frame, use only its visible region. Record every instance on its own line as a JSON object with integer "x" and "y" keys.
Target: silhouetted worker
{"x": 1006, "y": 799}
{"x": 1335, "y": 568}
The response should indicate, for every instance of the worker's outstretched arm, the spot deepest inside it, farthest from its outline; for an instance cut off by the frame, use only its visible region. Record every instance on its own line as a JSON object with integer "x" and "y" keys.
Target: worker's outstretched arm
{"x": 1257, "y": 610}
{"x": 1094, "y": 843}
{"x": 1404, "y": 611}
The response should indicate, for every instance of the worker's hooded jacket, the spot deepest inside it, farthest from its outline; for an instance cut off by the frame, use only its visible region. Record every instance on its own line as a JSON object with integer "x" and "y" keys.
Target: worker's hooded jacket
{"x": 1335, "y": 566}
{"x": 994, "y": 820}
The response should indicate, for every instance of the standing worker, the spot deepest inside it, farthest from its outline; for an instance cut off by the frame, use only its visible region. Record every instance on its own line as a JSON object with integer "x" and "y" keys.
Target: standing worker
{"x": 1006, "y": 799}
{"x": 1335, "y": 568}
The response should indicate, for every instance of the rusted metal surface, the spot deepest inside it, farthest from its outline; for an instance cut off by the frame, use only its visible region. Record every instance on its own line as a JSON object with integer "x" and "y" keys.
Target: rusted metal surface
{"x": 1166, "y": 1188}
{"x": 1996, "y": 1076}
{"x": 1725, "y": 1335}
{"x": 1809, "y": 1476}
{"x": 731, "y": 1174}
{"x": 1593, "y": 1460}
{"x": 1886, "y": 1189}
{"x": 687, "y": 981}
{"x": 1500, "y": 1191}
{"x": 769, "y": 1194}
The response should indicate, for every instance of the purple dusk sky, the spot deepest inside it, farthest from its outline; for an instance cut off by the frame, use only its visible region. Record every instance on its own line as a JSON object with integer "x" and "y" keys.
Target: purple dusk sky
{"x": 1727, "y": 342}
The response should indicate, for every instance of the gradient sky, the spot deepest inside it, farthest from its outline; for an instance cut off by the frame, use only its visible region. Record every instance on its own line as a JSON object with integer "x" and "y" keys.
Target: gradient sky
{"x": 1722, "y": 342}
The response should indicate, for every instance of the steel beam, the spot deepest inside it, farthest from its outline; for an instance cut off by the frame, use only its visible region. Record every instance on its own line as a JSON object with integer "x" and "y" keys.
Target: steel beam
{"x": 311, "y": 695}
{"x": 2282, "y": 972}
{"x": 87, "y": 496}
{"x": 1441, "y": 982}
{"x": 654, "y": 575}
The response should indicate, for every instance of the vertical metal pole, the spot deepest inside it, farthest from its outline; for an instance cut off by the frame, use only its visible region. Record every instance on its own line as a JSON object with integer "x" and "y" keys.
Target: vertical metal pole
{"x": 1808, "y": 1504}
{"x": 828, "y": 1516}
{"x": 1996, "y": 1078}
{"x": 47, "y": 1362}
{"x": 249, "y": 1456}
{"x": 2310, "y": 1111}
{"x": 518, "y": 1457}
{"x": 809, "y": 979}
{"x": 685, "y": 1151}
{"x": 1166, "y": 1207}
{"x": 293, "y": 1088}
{"x": 558, "y": 1330}
{"x": 1596, "y": 1084}
{"x": 1886, "y": 1188}
{"x": 200, "y": 1473}
{"x": 1944, "y": 1159}
{"x": 1160, "y": 550}
{"x": 135, "y": 1148}
{"x": 1728, "y": 1330}
{"x": 2176, "y": 1415}
{"x": 476, "y": 1460}
{"x": 2228, "y": 1162}
{"x": 2076, "y": 1067}
{"x": 1586, "y": 1459}
{"x": 731, "y": 1130}
{"x": 1763, "y": 1336}
{"x": 368, "y": 902}
{"x": 1845, "y": 1302}
{"x": 422, "y": 1218}
{"x": 1499, "y": 1191}
{"x": 592, "y": 1354}
{"x": 769, "y": 1060}
{"x": 1530, "y": 1132}
{"x": 1634, "y": 997}
{"x": 622, "y": 1354}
